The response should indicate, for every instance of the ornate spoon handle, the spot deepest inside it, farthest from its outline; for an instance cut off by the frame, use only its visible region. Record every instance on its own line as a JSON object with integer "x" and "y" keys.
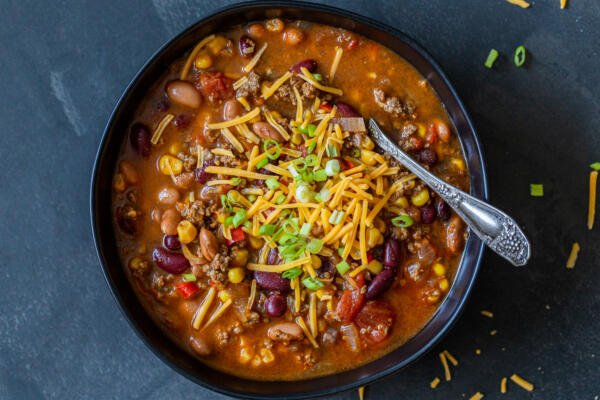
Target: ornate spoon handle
{"x": 499, "y": 231}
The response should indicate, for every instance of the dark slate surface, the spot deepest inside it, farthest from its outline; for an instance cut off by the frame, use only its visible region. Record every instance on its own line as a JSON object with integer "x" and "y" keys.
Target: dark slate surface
{"x": 64, "y": 64}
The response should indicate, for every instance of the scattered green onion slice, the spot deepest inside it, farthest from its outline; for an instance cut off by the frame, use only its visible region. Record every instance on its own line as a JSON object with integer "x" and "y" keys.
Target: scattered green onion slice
{"x": 251, "y": 198}
{"x": 332, "y": 150}
{"x": 293, "y": 170}
{"x": 305, "y": 230}
{"x": 536, "y": 189}
{"x": 332, "y": 168}
{"x": 342, "y": 267}
{"x": 520, "y": 56}
{"x": 491, "y": 58}
{"x": 292, "y": 273}
{"x": 292, "y": 251}
{"x": 320, "y": 175}
{"x": 340, "y": 251}
{"x": 304, "y": 194}
{"x": 290, "y": 226}
{"x": 272, "y": 183}
{"x": 280, "y": 199}
{"x": 307, "y": 177}
{"x": 248, "y": 225}
{"x": 268, "y": 146}
{"x": 189, "y": 277}
{"x": 312, "y": 283}
{"x": 300, "y": 164}
{"x": 236, "y": 181}
{"x": 311, "y": 160}
{"x": 226, "y": 203}
{"x": 402, "y": 221}
{"x": 311, "y": 146}
{"x": 268, "y": 230}
{"x": 336, "y": 217}
{"x": 262, "y": 163}
{"x": 238, "y": 218}
{"x": 314, "y": 246}
{"x": 323, "y": 196}
{"x": 311, "y": 130}
{"x": 595, "y": 166}
{"x": 302, "y": 129}
{"x": 318, "y": 77}
{"x": 228, "y": 221}
{"x": 287, "y": 238}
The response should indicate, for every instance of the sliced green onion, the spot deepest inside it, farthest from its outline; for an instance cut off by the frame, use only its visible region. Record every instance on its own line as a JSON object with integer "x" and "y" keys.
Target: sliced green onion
{"x": 238, "y": 218}
{"x": 293, "y": 170}
{"x": 304, "y": 194}
{"x": 189, "y": 277}
{"x": 292, "y": 273}
{"x": 226, "y": 203}
{"x": 307, "y": 177}
{"x": 332, "y": 150}
{"x": 314, "y": 246}
{"x": 595, "y": 166}
{"x": 292, "y": 251}
{"x": 280, "y": 199}
{"x": 536, "y": 189}
{"x": 302, "y": 129}
{"x": 262, "y": 163}
{"x": 402, "y": 221}
{"x": 311, "y": 130}
{"x": 299, "y": 164}
{"x": 235, "y": 181}
{"x": 320, "y": 175}
{"x": 318, "y": 77}
{"x": 287, "y": 238}
{"x": 342, "y": 267}
{"x": 271, "y": 144}
{"x": 290, "y": 226}
{"x": 272, "y": 183}
{"x": 311, "y": 146}
{"x": 312, "y": 283}
{"x": 251, "y": 198}
{"x": 228, "y": 221}
{"x": 520, "y": 56}
{"x": 340, "y": 251}
{"x": 306, "y": 228}
{"x": 491, "y": 58}
{"x": 336, "y": 217}
{"x": 311, "y": 160}
{"x": 323, "y": 196}
{"x": 332, "y": 168}
{"x": 248, "y": 225}
{"x": 268, "y": 230}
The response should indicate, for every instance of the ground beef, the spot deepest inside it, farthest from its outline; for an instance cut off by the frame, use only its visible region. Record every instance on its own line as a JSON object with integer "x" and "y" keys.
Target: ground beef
{"x": 393, "y": 105}
{"x": 286, "y": 93}
{"x": 196, "y": 211}
{"x": 218, "y": 267}
{"x": 252, "y": 318}
{"x": 408, "y": 130}
{"x": 189, "y": 161}
{"x": 222, "y": 337}
{"x": 329, "y": 336}
{"x": 251, "y": 87}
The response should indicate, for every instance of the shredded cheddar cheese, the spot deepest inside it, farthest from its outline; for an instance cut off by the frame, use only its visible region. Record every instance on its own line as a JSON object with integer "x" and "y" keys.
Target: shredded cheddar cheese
{"x": 307, "y": 76}
{"x": 336, "y": 62}
{"x": 188, "y": 62}
{"x": 447, "y": 374}
{"x": 592, "y": 199}
{"x": 161, "y": 128}
{"x": 270, "y": 91}
{"x": 573, "y": 256}
{"x": 520, "y": 3}
{"x": 235, "y": 172}
{"x": 236, "y": 121}
{"x": 522, "y": 382}
{"x": 252, "y": 63}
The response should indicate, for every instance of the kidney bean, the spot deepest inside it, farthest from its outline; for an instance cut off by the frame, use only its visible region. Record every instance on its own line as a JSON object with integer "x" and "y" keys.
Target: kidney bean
{"x": 266, "y": 131}
{"x": 428, "y": 214}
{"x": 171, "y": 242}
{"x": 231, "y": 109}
{"x": 163, "y": 105}
{"x": 173, "y": 263}
{"x": 139, "y": 136}
{"x": 272, "y": 281}
{"x": 443, "y": 210}
{"x": 310, "y": 65}
{"x": 275, "y": 305}
{"x": 427, "y": 156}
{"x": 200, "y": 175}
{"x": 184, "y": 93}
{"x": 392, "y": 255}
{"x": 247, "y": 46}
{"x": 200, "y": 346}
{"x": 346, "y": 110}
{"x": 127, "y": 223}
{"x": 273, "y": 257}
{"x": 380, "y": 284}
{"x": 182, "y": 121}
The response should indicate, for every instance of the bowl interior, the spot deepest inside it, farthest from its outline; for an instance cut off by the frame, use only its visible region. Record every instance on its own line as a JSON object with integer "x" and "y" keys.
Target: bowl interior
{"x": 115, "y": 133}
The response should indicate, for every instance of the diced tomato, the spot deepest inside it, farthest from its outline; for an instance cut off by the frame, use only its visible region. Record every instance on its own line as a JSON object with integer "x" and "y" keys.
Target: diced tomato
{"x": 347, "y": 164}
{"x": 215, "y": 86}
{"x": 416, "y": 143}
{"x": 370, "y": 256}
{"x": 350, "y": 304}
{"x": 431, "y": 136}
{"x": 375, "y": 320}
{"x": 237, "y": 234}
{"x": 326, "y": 106}
{"x": 187, "y": 289}
{"x": 352, "y": 44}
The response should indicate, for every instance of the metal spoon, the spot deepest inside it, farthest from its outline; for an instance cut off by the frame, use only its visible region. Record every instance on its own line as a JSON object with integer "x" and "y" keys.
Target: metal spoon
{"x": 497, "y": 230}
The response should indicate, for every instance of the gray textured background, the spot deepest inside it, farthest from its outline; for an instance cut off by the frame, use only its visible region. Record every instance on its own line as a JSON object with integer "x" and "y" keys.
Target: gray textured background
{"x": 63, "y": 65}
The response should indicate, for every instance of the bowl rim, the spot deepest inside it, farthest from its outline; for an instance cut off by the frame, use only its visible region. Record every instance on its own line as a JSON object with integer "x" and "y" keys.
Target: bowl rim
{"x": 476, "y": 245}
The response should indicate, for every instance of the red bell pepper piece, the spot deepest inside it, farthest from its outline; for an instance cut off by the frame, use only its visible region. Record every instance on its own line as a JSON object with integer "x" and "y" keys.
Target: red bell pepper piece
{"x": 237, "y": 234}
{"x": 326, "y": 107}
{"x": 187, "y": 289}
{"x": 370, "y": 256}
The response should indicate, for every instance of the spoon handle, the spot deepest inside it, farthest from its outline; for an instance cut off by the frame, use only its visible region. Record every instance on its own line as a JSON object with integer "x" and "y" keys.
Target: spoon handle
{"x": 497, "y": 230}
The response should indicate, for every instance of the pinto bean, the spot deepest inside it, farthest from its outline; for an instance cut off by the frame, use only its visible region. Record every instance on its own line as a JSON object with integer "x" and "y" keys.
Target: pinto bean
{"x": 168, "y": 195}
{"x": 127, "y": 169}
{"x": 285, "y": 331}
{"x": 169, "y": 220}
{"x": 266, "y": 131}
{"x": 184, "y": 94}
{"x": 293, "y": 36}
{"x": 232, "y": 109}
{"x": 200, "y": 346}
{"x": 380, "y": 284}
{"x": 209, "y": 246}
{"x": 256, "y": 31}
{"x": 171, "y": 262}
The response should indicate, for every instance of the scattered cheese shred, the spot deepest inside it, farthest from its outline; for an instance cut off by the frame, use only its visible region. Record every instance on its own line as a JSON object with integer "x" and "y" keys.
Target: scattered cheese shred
{"x": 252, "y": 296}
{"x": 218, "y": 312}
{"x": 476, "y": 396}
{"x": 278, "y": 267}
{"x": 252, "y": 63}
{"x": 271, "y": 120}
{"x": 447, "y": 375}
{"x": 521, "y": 382}
{"x": 297, "y": 299}
{"x": 235, "y": 172}
{"x": 232, "y": 139}
{"x": 363, "y": 233}
{"x": 573, "y": 256}
{"x": 434, "y": 383}
{"x": 161, "y": 128}
{"x": 487, "y": 313}
{"x": 563, "y": 4}
{"x": 188, "y": 63}
{"x": 336, "y": 62}
{"x": 203, "y": 308}
{"x": 222, "y": 152}
{"x": 236, "y": 121}
{"x": 311, "y": 338}
{"x": 592, "y": 199}
{"x": 503, "y": 385}
{"x": 307, "y": 76}
{"x": 244, "y": 102}
{"x": 247, "y": 133}
{"x": 270, "y": 91}
{"x": 312, "y": 313}
{"x": 240, "y": 82}
{"x": 299, "y": 105}
{"x": 451, "y": 358}
{"x": 380, "y": 204}
{"x": 361, "y": 393}
{"x": 520, "y": 3}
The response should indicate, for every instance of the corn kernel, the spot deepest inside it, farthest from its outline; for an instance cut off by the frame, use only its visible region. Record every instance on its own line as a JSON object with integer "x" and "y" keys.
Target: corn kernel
{"x": 221, "y": 218}
{"x": 135, "y": 263}
{"x": 367, "y": 143}
{"x": 246, "y": 355}
{"x": 420, "y": 198}
{"x": 315, "y": 261}
{"x": 236, "y": 275}
{"x": 297, "y": 138}
{"x": 267, "y": 356}
{"x": 119, "y": 183}
{"x": 355, "y": 254}
{"x": 375, "y": 266}
{"x": 224, "y": 295}
{"x": 433, "y": 298}
{"x": 444, "y": 284}
{"x": 439, "y": 269}
{"x": 255, "y": 242}
{"x": 368, "y": 157}
{"x": 168, "y": 164}
{"x": 217, "y": 44}
{"x": 276, "y": 115}
{"x": 175, "y": 148}
{"x": 458, "y": 163}
{"x": 373, "y": 237}
{"x": 203, "y": 61}
{"x": 256, "y": 361}
{"x": 401, "y": 202}
{"x": 422, "y": 131}
{"x": 240, "y": 259}
{"x": 186, "y": 231}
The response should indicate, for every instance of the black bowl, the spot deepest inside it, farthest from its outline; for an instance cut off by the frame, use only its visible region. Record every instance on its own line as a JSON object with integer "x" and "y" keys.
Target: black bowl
{"x": 101, "y": 215}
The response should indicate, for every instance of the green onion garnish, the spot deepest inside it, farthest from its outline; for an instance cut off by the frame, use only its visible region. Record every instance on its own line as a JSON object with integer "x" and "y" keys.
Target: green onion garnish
{"x": 340, "y": 251}
{"x": 312, "y": 283}
{"x": 311, "y": 130}
{"x": 402, "y": 221}
{"x": 320, "y": 175}
{"x": 305, "y": 230}
{"x": 239, "y": 218}
{"x": 290, "y": 226}
{"x": 235, "y": 181}
{"x": 189, "y": 277}
{"x": 323, "y": 196}
{"x": 314, "y": 246}
{"x": 520, "y": 56}
{"x": 595, "y": 166}
{"x": 280, "y": 199}
{"x": 491, "y": 58}
{"x": 300, "y": 164}
{"x": 268, "y": 230}
{"x": 251, "y": 198}
{"x": 262, "y": 163}
{"x": 292, "y": 273}
{"x": 336, "y": 217}
{"x": 304, "y": 194}
{"x": 311, "y": 160}
{"x": 226, "y": 203}
{"x": 302, "y": 129}
{"x": 272, "y": 183}
{"x": 248, "y": 225}
{"x": 318, "y": 77}
{"x": 332, "y": 150}
{"x": 332, "y": 167}
{"x": 287, "y": 238}
{"x": 311, "y": 146}
{"x": 536, "y": 189}
{"x": 293, "y": 170}
{"x": 307, "y": 177}
{"x": 269, "y": 145}
{"x": 228, "y": 221}
{"x": 342, "y": 267}
{"x": 292, "y": 251}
